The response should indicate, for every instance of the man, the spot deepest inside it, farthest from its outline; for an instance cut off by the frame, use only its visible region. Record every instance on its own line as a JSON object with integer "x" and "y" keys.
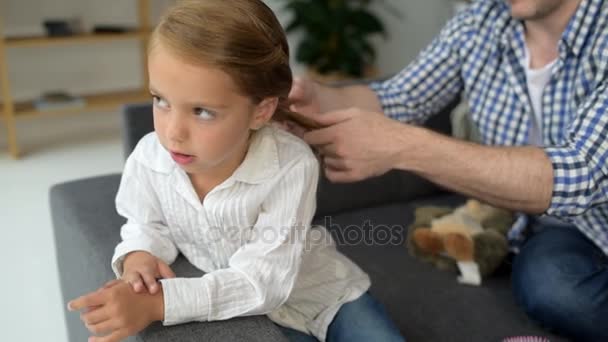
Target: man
{"x": 535, "y": 75}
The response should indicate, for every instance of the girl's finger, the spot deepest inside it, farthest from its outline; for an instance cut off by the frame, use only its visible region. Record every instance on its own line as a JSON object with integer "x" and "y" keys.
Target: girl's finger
{"x": 100, "y": 329}
{"x": 165, "y": 271}
{"x": 92, "y": 299}
{"x": 135, "y": 279}
{"x": 150, "y": 282}
{"x": 94, "y": 316}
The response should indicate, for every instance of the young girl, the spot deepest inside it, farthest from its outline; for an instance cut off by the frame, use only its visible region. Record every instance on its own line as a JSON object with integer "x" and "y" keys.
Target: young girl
{"x": 233, "y": 194}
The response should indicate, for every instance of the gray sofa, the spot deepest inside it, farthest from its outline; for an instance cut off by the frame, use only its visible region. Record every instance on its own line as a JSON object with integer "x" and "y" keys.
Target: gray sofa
{"x": 426, "y": 304}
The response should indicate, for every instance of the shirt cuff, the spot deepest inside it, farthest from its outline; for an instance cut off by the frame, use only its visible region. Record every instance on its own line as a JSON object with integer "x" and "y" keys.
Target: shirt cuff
{"x": 186, "y": 300}
{"x": 571, "y": 182}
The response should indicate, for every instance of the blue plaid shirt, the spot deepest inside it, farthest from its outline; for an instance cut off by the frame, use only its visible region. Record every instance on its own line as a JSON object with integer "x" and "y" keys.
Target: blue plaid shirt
{"x": 478, "y": 56}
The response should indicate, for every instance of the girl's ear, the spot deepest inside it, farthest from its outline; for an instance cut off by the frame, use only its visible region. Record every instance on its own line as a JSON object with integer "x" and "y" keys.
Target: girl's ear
{"x": 263, "y": 112}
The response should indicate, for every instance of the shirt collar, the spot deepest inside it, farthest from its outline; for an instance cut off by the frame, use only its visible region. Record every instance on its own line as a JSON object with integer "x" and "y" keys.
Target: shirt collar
{"x": 262, "y": 160}
{"x": 574, "y": 36}
{"x": 577, "y": 31}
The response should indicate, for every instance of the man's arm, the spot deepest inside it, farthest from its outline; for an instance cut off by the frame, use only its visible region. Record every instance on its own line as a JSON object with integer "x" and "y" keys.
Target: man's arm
{"x": 359, "y": 144}
{"x": 516, "y": 178}
{"x": 564, "y": 180}
{"x": 360, "y": 96}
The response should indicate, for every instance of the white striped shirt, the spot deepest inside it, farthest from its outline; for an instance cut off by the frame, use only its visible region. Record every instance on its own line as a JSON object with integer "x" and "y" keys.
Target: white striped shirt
{"x": 251, "y": 235}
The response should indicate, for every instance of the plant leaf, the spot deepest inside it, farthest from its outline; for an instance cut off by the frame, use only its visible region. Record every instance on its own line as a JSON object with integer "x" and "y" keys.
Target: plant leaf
{"x": 366, "y": 23}
{"x": 308, "y": 51}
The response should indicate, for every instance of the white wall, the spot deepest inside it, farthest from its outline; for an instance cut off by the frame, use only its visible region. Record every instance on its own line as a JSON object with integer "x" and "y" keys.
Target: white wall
{"x": 90, "y": 68}
{"x": 418, "y": 22}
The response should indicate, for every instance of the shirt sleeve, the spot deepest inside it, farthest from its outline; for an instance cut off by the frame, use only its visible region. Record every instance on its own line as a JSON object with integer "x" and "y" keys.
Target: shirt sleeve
{"x": 432, "y": 80}
{"x": 145, "y": 229}
{"x": 261, "y": 274}
{"x": 580, "y": 167}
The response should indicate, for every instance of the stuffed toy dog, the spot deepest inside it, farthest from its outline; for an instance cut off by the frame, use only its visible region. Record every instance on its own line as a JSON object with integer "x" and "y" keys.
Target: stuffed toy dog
{"x": 471, "y": 238}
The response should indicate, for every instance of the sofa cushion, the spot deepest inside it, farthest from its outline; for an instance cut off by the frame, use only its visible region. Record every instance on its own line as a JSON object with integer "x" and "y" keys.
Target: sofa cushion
{"x": 427, "y": 304}
{"x": 394, "y": 186}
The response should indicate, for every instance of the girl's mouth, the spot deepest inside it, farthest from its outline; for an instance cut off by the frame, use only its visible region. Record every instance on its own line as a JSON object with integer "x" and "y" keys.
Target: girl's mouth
{"x": 182, "y": 159}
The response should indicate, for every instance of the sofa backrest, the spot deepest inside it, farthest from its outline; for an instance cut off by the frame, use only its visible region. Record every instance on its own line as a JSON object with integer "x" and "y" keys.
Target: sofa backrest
{"x": 137, "y": 121}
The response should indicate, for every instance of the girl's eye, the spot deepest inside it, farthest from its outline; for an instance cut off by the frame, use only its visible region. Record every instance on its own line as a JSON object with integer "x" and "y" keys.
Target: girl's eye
{"x": 204, "y": 113}
{"x": 160, "y": 102}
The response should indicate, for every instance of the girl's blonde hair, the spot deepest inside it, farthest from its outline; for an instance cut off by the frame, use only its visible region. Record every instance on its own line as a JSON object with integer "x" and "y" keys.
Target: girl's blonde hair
{"x": 243, "y": 38}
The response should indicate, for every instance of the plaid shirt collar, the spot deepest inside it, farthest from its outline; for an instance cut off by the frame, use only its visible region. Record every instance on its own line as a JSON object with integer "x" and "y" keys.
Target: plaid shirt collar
{"x": 574, "y": 38}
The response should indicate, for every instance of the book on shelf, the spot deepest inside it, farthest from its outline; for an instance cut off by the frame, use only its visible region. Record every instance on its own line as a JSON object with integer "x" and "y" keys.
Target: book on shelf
{"x": 58, "y": 100}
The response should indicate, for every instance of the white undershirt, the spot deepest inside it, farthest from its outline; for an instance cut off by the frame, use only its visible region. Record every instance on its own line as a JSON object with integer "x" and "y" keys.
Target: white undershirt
{"x": 537, "y": 80}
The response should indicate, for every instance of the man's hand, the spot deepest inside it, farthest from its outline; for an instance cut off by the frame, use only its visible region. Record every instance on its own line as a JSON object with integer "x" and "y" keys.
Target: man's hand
{"x": 304, "y": 100}
{"x": 142, "y": 269}
{"x": 358, "y": 144}
{"x": 116, "y": 311}
{"x": 303, "y": 97}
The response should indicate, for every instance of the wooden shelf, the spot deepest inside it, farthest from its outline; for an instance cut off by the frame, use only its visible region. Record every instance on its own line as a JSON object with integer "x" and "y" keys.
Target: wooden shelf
{"x": 76, "y": 39}
{"x": 11, "y": 111}
{"x": 94, "y": 102}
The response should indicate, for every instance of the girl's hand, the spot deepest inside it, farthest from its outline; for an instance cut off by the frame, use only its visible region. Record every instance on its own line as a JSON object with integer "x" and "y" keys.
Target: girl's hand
{"x": 142, "y": 269}
{"x": 116, "y": 311}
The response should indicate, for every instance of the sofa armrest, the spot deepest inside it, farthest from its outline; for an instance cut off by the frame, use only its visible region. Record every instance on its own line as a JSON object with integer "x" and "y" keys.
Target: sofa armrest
{"x": 85, "y": 236}
{"x": 86, "y": 229}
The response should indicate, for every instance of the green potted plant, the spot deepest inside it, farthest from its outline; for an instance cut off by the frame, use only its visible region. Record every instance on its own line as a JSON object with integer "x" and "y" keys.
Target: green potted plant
{"x": 336, "y": 41}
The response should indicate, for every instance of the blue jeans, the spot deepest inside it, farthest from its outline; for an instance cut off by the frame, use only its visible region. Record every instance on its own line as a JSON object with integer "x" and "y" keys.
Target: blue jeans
{"x": 560, "y": 278}
{"x": 363, "y": 319}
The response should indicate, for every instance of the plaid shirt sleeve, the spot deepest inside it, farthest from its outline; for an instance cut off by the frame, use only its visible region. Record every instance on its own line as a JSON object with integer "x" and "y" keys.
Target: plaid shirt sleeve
{"x": 431, "y": 81}
{"x": 580, "y": 165}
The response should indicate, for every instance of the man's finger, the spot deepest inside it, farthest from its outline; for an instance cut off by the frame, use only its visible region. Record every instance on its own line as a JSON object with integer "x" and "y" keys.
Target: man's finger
{"x": 339, "y": 176}
{"x": 329, "y": 150}
{"x": 115, "y": 336}
{"x": 335, "y": 164}
{"x": 334, "y": 117}
{"x": 297, "y": 90}
{"x": 96, "y": 298}
{"x": 165, "y": 271}
{"x": 307, "y": 121}
{"x": 319, "y": 137}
